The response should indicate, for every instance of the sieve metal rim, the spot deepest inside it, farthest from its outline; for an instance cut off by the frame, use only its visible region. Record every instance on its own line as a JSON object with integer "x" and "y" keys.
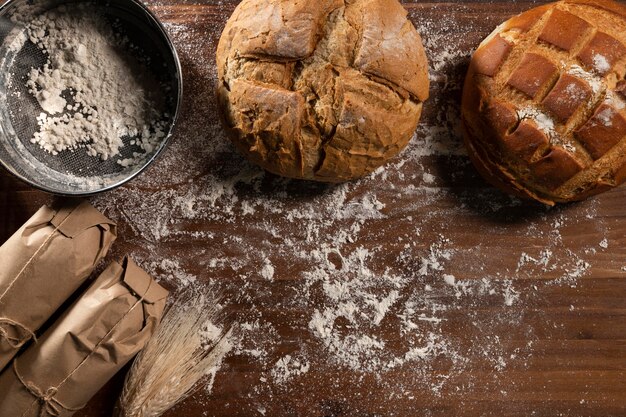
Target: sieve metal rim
{"x": 165, "y": 141}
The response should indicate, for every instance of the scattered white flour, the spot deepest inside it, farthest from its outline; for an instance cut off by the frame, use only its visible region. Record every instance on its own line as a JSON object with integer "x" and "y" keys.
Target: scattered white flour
{"x": 578, "y": 271}
{"x": 614, "y": 100}
{"x": 450, "y": 280}
{"x": 543, "y": 260}
{"x": 221, "y": 350}
{"x": 601, "y": 64}
{"x": 210, "y": 333}
{"x": 574, "y": 92}
{"x": 429, "y": 178}
{"x": 437, "y": 254}
{"x": 606, "y": 117}
{"x": 267, "y": 271}
{"x": 170, "y": 270}
{"x": 287, "y": 368}
{"x": 596, "y": 83}
{"x": 604, "y": 244}
{"x": 93, "y": 92}
{"x": 544, "y": 122}
{"x": 375, "y": 291}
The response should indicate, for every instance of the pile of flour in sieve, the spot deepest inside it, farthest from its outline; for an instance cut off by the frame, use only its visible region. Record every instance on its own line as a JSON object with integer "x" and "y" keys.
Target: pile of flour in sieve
{"x": 92, "y": 90}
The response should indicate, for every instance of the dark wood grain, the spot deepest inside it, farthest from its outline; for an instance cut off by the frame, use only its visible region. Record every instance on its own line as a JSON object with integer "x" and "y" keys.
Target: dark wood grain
{"x": 563, "y": 341}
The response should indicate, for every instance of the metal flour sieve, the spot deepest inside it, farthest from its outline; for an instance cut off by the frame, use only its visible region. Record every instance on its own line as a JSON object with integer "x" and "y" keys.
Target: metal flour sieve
{"x": 75, "y": 173}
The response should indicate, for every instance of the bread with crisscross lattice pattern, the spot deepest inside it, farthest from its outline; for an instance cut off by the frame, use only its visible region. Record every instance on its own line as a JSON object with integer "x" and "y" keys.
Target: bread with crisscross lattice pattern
{"x": 544, "y": 104}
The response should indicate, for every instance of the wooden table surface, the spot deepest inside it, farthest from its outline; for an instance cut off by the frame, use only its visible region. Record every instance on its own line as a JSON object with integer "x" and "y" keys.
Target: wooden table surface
{"x": 494, "y": 307}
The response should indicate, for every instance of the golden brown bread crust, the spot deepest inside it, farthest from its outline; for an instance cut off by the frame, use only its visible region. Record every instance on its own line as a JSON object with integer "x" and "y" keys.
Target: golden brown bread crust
{"x": 544, "y": 108}
{"x": 327, "y": 90}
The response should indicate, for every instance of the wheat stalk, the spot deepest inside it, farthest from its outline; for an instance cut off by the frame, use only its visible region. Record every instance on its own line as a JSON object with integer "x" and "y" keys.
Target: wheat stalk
{"x": 174, "y": 361}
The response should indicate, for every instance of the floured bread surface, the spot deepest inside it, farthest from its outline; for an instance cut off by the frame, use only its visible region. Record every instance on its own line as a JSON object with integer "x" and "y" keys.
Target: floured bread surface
{"x": 544, "y": 106}
{"x": 326, "y": 90}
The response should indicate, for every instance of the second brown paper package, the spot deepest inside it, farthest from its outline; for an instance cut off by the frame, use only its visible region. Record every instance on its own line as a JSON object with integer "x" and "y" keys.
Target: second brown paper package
{"x": 86, "y": 347}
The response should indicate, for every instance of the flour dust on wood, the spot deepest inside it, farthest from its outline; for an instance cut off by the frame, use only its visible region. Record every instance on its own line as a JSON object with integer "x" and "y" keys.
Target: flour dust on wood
{"x": 390, "y": 289}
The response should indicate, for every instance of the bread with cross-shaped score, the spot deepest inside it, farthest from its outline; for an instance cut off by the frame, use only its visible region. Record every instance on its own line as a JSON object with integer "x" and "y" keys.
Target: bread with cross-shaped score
{"x": 325, "y": 90}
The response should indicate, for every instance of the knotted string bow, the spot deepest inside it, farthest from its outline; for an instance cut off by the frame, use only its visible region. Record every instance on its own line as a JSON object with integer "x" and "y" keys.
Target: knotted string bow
{"x": 50, "y": 406}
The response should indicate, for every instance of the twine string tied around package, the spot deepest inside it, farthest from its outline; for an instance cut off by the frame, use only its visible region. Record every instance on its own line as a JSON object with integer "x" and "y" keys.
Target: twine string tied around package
{"x": 32, "y": 258}
{"x": 50, "y": 406}
{"x": 15, "y": 342}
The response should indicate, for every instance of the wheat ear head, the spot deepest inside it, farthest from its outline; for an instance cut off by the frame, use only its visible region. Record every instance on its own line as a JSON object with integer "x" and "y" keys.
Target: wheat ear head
{"x": 173, "y": 362}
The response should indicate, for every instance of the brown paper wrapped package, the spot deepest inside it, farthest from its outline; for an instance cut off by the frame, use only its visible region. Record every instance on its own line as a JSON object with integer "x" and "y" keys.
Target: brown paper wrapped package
{"x": 86, "y": 347}
{"x": 43, "y": 264}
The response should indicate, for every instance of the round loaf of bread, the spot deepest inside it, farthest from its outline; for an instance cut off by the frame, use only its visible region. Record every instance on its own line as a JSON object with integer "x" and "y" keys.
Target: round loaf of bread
{"x": 544, "y": 107}
{"x": 325, "y": 90}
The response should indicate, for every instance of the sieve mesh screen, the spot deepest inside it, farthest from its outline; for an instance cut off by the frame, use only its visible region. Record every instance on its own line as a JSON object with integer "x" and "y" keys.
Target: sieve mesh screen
{"x": 65, "y": 173}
